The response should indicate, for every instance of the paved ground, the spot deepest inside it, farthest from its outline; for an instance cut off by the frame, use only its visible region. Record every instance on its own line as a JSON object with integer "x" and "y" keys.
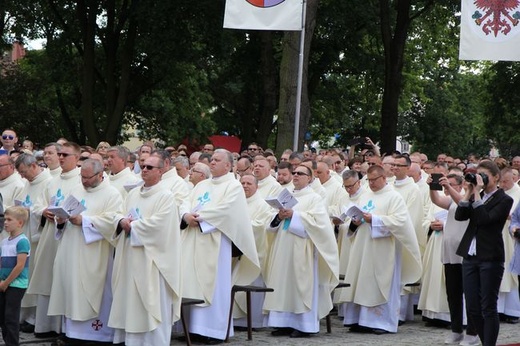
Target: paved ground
{"x": 412, "y": 333}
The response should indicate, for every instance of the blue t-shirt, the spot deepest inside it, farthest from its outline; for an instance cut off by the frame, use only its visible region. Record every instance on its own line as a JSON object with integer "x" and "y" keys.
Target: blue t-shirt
{"x": 9, "y": 252}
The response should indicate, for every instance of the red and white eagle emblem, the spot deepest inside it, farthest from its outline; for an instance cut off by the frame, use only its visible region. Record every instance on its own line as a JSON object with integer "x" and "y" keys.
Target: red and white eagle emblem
{"x": 497, "y": 16}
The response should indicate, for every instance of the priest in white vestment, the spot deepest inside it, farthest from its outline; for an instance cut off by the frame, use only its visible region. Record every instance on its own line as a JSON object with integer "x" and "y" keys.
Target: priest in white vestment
{"x": 171, "y": 180}
{"x": 303, "y": 263}
{"x": 36, "y": 180}
{"x": 383, "y": 258}
{"x": 508, "y": 298}
{"x": 355, "y": 190}
{"x": 261, "y": 215}
{"x": 146, "y": 279}
{"x": 121, "y": 177}
{"x": 51, "y": 159}
{"x": 58, "y": 189}
{"x": 218, "y": 221}
{"x": 411, "y": 194}
{"x": 81, "y": 290}
{"x": 11, "y": 183}
{"x": 267, "y": 184}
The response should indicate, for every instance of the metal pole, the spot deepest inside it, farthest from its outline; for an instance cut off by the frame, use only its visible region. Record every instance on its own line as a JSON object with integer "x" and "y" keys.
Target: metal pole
{"x": 299, "y": 85}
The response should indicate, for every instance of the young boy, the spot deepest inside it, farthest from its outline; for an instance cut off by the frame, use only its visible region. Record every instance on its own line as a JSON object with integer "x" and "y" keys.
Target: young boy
{"x": 14, "y": 273}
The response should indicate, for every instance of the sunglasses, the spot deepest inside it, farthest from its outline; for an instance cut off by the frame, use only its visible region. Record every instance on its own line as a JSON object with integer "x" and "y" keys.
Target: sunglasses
{"x": 11, "y": 137}
{"x": 148, "y": 167}
{"x": 64, "y": 154}
{"x": 252, "y": 149}
{"x": 299, "y": 173}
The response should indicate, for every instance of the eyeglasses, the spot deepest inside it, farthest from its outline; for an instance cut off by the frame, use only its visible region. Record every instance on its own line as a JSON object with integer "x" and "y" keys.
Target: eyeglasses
{"x": 87, "y": 178}
{"x": 64, "y": 154}
{"x": 252, "y": 149}
{"x": 347, "y": 187}
{"x": 148, "y": 167}
{"x": 11, "y": 137}
{"x": 243, "y": 170}
{"x": 83, "y": 158}
{"x": 374, "y": 179}
{"x": 195, "y": 171}
{"x": 371, "y": 163}
{"x": 299, "y": 173}
{"x": 337, "y": 162}
{"x": 398, "y": 165}
{"x": 368, "y": 154}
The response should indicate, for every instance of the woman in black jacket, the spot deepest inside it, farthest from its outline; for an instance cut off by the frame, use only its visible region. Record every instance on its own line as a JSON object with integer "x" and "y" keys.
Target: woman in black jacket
{"x": 487, "y": 208}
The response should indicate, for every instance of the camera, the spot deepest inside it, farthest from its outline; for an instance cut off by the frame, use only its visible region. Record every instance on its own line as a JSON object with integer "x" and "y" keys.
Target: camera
{"x": 472, "y": 178}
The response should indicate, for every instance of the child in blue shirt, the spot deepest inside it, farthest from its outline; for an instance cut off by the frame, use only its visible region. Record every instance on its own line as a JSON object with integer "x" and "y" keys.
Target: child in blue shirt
{"x": 14, "y": 273}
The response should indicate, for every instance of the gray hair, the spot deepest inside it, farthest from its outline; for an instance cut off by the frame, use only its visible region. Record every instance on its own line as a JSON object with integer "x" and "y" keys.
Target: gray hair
{"x": 122, "y": 151}
{"x": 96, "y": 165}
{"x": 56, "y": 146}
{"x": 203, "y": 168}
{"x": 25, "y": 159}
{"x": 183, "y": 160}
{"x": 349, "y": 174}
{"x": 229, "y": 155}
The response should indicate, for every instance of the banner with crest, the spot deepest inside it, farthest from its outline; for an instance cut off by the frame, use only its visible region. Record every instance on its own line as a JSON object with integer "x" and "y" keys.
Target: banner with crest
{"x": 490, "y": 30}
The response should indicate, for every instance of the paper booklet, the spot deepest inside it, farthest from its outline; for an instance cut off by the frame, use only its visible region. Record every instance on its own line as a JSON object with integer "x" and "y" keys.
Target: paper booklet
{"x": 70, "y": 207}
{"x": 350, "y": 211}
{"x": 285, "y": 200}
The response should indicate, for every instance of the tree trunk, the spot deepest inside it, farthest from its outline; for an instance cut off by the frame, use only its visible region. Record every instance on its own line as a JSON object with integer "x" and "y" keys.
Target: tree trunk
{"x": 289, "y": 82}
{"x": 268, "y": 103}
{"x": 87, "y": 20}
{"x": 394, "y": 43}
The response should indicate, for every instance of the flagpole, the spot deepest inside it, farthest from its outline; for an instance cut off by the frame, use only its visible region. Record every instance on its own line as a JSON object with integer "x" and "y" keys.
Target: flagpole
{"x": 299, "y": 85}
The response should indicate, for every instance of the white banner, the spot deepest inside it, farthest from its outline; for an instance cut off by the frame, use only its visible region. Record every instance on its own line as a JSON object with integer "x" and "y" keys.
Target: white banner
{"x": 490, "y": 30}
{"x": 264, "y": 14}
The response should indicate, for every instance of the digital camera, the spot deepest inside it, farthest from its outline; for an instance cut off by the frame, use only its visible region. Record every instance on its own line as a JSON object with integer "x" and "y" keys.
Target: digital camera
{"x": 472, "y": 178}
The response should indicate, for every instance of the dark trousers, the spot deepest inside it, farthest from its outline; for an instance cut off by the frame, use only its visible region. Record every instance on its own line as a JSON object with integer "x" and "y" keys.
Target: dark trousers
{"x": 10, "y": 306}
{"x": 454, "y": 291}
{"x": 481, "y": 280}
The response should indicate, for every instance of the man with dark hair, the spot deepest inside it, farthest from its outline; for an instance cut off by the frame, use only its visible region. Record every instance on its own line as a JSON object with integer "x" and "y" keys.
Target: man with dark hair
{"x": 58, "y": 189}
{"x": 147, "y": 264}
{"x": 376, "y": 270}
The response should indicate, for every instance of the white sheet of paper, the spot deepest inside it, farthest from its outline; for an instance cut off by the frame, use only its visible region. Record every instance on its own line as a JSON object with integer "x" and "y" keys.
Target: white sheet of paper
{"x": 285, "y": 200}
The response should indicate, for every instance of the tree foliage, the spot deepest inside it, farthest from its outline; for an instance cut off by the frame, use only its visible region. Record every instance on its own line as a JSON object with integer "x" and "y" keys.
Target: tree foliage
{"x": 170, "y": 71}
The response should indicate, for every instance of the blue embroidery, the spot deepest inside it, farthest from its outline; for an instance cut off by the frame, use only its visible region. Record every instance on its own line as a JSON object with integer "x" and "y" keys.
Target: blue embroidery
{"x": 369, "y": 207}
{"x": 204, "y": 199}
{"x": 27, "y": 203}
{"x": 83, "y": 203}
{"x": 59, "y": 198}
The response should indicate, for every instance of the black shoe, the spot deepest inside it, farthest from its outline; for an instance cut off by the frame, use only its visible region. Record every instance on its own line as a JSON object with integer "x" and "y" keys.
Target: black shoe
{"x": 46, "y": 335}
{"x": 356, "y": 328}
{"x": 299, "y": 334}
{"x": 240, "y": 329}
{"x": 26, "y": 327}
{"x": 211, "y": 341}
{"x": 400, "y": 323}
{"x": 282, "y": 332}
{"x": 511, "y": 320}
{"x": 378, "y": 331}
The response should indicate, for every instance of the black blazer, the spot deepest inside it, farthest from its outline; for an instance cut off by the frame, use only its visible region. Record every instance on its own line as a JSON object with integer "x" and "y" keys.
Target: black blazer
{"x": 485, "y": 223}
